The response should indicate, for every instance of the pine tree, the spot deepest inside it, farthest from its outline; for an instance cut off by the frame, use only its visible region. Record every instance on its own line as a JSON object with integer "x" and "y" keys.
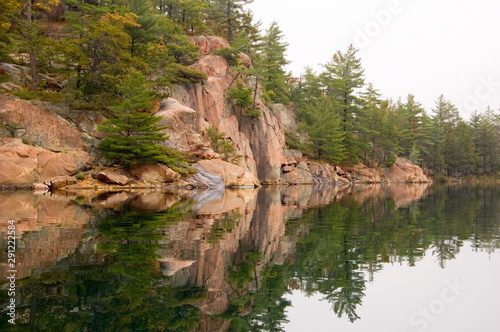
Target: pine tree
{"x": 342, "y": 79}
{"x": 447, "y": 118}
{"x": 32, "y": 34}
{"x": 373, "y": 124}
{"x": 487, "y": 140}
{"x": 307, "y": 88}
{"x": 132, "y": 134}
{"x": 241, "y": 97}
{"x": 187, "y": 13}
{"x": 227, "y": 17}
{"x": 325, "y": 132}
{"x": 466, "y": 161}
{"x": 271, "y": 61}
{"x": 411, "y": 113}
{"x": 8, "y": 9}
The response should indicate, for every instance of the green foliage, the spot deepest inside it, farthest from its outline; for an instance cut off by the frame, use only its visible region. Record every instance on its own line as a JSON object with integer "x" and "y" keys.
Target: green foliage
{"x": 176, "y": 161}
{"x": 80, "y": 177}
{"x": 230, "y": 54}
{"x": 181, "y": 75}
{"x": 225, "y": 147}
{"x": 227, "y": 18}
{"x": 132, "y": 134}
{"x": 415, "y": 155}
{"x": 188, "y": 14}
{"x": 325, "y": 132}
{"x": 8, "y": 9}
{"x": 48, "y": 96}
{"x": 270, "y": 63}
{"x": 242, "y": 99}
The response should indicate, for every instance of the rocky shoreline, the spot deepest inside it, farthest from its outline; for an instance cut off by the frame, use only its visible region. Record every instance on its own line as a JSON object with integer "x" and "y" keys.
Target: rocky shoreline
{"x": 48, "y": 147}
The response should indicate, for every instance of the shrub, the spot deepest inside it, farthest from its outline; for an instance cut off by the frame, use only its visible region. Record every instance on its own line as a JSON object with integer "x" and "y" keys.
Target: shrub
{"x": 230, "y": 54}
{"x": 225, "y": 147}
{"x": 182, "y": 74}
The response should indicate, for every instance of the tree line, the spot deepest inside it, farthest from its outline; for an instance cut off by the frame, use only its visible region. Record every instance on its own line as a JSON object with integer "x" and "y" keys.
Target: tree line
{"x": 94, "y": 45}
{"x": 347, "y": 121}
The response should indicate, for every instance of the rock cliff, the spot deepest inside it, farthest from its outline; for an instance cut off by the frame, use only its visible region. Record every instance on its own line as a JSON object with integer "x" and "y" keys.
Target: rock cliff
{"x": 260, "y": 140}
{"x": 38, "y": 144}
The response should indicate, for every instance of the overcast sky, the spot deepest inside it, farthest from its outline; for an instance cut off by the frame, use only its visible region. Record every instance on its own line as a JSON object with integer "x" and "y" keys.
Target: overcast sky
{"x": 422, "y": 47}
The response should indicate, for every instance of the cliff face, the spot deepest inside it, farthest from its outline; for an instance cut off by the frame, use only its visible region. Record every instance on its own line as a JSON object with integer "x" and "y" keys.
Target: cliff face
{"x": 260, "y": 140}
{"x": 37, "y": 144}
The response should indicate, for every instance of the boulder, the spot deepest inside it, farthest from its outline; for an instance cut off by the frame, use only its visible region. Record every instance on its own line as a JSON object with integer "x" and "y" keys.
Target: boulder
{"x": 324, "y": 174}
{"x": 212, "y": 65}
{"x": 299, "y": 174}
{"x": 361, "y": 173}
{"x": 404, "y": 171}
{"x": 205, "y": 153}
{"x": 51, "y": 164}
{"x": 184, "y": 125}
{"x": 155, "y": 173}
{"x": 111, "y": 177}
{"x": 60, "y": 181}
{"x": 245, "y": 60}
{"x": 23, "y": 165}
{"x": 233, "y": 176}
{"x": 208, "y": 44}
{"x": 40, "y": 187}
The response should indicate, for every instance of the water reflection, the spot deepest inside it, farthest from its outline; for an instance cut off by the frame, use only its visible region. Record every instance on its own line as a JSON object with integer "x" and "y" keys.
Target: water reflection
{"x": 225, "y": 261}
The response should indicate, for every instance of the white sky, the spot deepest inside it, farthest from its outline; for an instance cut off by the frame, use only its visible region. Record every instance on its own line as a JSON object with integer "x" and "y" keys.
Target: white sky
{"x": 394, "y": 301}
{"x": 422, "y": 47}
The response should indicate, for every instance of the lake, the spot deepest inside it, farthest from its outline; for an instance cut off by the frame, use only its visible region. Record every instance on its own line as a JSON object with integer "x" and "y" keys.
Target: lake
{"x": 356, "y": 258}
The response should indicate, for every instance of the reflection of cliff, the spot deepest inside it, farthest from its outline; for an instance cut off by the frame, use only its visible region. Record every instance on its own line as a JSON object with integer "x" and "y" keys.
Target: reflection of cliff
{"x": 234, "y": 244}
{"x": 51, "y": 227}
{"x": 47, "y": 228}
{"x": 401, "y": 194}
{"x": 240, "y": 230}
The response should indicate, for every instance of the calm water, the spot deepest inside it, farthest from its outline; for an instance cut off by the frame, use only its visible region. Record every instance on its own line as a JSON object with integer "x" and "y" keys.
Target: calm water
{"x": 368, "y": 258}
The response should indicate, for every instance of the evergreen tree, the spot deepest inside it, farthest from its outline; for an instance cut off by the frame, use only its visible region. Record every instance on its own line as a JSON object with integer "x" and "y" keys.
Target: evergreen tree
{"x": 227, "y": 18}
{"x": 33, "y": 39}
{"x": 425, "y": 143}
{"x": 487, "y": 140}
{"x": 411, "y": 113}
{"x": 188, "y": 13}
{"x": 132, "y": 134}
{"x": 373, "y": 123}
{"x": 147, "y": 29}
{"x": 325, "y": 132}
{"x": 222, "y": 145}
{"x": 342, "y": 79}
{"x": 8, "y": 10}
{"x": 307, "y": 88}
{"x": 271, "y": 61}
{"x": 466, "y": 161}
{"x": 381, "y": 129}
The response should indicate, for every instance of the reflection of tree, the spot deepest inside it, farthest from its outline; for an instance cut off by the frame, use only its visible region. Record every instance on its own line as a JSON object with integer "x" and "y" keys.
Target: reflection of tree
{"x": 120, "y": 288}
{"x": 264, "y": 308}
{"x": 327, "y": 260}
{"x": 226, "y": 223}
{"x": 342, "y": 244}
{"x": 339, "y": 247}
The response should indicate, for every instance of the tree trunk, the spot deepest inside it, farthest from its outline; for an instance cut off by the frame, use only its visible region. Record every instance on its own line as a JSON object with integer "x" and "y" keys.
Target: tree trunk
{"x": 229, "y": 28}
{"x": 27, "y": 17}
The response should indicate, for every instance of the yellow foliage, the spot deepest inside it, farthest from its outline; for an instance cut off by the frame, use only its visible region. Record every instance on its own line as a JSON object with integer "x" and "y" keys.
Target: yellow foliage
{"x": 122, "y": 20}
{"x": 45, "y": 5}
